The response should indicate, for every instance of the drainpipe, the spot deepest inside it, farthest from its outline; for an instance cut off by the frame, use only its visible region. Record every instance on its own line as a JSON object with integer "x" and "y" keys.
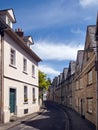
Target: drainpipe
{"x": 2, "y": 72}
{"x": 0, "y": 80}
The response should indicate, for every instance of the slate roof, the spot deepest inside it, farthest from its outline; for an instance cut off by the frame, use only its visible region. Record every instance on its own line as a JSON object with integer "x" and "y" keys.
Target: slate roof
{"x": 71, "y": 69}
{"x": 92, "y": 32}
{"x": 79, "y": 60}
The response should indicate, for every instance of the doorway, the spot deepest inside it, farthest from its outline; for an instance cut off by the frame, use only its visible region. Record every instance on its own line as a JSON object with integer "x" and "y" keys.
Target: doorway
{"x": 82, "y": 108}
{"x": 12, "y": 100}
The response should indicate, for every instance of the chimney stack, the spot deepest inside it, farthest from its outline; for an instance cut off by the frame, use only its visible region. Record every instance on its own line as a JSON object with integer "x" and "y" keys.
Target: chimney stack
{"x": 19, "y": 32}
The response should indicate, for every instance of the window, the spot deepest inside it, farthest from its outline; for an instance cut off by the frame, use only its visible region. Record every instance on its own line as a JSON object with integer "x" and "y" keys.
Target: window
{"x": 88, "y": 52}
{"x": 77, "y": 101}
{"x": 33, "y": 70}
{"x": 8, "y": 22}
{"x": 33, "y": 95}
{"x": 25, "y": 65}
{"x": 77, "y": 85}
{"x": 90, "y": 77}
{"x": 90, "y": 105}
{"x": 81, "y": 83}
{"x": 25, "y": 94}
{"x": 70, "y": 100}
{"x": 12, "y": 57}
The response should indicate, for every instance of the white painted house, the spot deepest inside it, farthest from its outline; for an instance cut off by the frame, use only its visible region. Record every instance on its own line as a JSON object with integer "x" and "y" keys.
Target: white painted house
{"x": 18, "y": 70}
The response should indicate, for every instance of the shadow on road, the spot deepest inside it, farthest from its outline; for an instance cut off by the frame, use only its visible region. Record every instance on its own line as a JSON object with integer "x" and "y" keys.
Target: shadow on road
{"x": 49, "y": 120}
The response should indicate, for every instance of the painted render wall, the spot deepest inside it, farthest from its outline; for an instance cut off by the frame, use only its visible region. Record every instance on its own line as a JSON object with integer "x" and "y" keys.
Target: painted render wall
{"x": 20, "y": 54}
{"x": 20, "y": 105}
{"x": 15, "y": 78}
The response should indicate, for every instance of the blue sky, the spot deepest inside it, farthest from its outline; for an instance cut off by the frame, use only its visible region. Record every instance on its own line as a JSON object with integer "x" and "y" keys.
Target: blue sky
{"x": 58, "y": 28}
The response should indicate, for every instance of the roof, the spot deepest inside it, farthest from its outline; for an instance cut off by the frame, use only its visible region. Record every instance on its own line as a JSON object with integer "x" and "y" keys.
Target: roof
{"x": 28, "y": 38}
{"x": 71, "y": 69}
{"x": 21, "y": 42}
{"x": 91, "y": 31}
{"x": 10, "y": 14}
{"x": 10, "y": 32}
{"x": 79, "y": 60}
{"x": 65, "y": 71}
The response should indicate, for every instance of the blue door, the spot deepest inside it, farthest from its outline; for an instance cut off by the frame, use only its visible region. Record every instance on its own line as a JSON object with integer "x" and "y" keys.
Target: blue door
{"x": 12, "y": 100}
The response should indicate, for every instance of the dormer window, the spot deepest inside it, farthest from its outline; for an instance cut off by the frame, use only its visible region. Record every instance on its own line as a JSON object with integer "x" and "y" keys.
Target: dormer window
{"x": 8, "y": 16}
{"x": 9, "y": 22}
{"x": 28, "y": 40}
{"x": 28, "y": 44}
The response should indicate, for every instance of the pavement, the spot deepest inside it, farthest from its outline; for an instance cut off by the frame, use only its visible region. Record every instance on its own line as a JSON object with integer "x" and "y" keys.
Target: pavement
{"x": 76, "y": 122}
{"x": 19, "y": 120}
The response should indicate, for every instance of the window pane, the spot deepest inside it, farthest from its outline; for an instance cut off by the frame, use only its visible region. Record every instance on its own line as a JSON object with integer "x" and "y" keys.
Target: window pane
{"x": 81, "y": 83}
{"x": 24, "y": 64}
{"x": 33, "y": 94}
{"x": 90, "y": 105}
{"x": 33, "y": 70}
{"x": 90, "y": 77}
{"x": 12, "y": 57}
{"x": 77, "y": 85}
{"x": 25, "y": 94}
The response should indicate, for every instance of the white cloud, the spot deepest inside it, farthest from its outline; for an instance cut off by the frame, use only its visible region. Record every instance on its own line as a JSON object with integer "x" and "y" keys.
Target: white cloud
{"x": 85, "y": 3}
{"x": 48, "y": 70}
{"x": 56, "y": 51}
{"x": 76, "y": 31}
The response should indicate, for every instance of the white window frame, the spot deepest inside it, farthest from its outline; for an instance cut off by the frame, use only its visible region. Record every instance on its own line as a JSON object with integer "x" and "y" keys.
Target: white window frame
{"x": 24, "y": 65}
{"x": 13, "y": 57}
{"x": 90, "y": 77}
{"x": 33, "y": 70}
{"x": 33, "y": 95}
{"x": 25, "y": 93}
{"x": 9, "y": 22}
{"x": 90, "y": 105}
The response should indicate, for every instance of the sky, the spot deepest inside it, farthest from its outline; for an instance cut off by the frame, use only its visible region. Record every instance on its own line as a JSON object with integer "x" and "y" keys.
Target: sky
{"x": 58, "y": 28}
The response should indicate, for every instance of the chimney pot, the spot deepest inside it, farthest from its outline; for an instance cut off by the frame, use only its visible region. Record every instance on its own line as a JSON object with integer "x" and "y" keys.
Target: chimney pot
{"x": 19, "y": 32}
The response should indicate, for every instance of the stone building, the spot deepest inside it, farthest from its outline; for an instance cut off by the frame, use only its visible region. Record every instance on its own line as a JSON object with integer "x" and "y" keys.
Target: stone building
{"x": 63, "y": 85}
{"x": 78, "y": 88}
{"x": 89, "y": 75}
{"x": 69, "y": 84}
{"x": 78, "y": 91}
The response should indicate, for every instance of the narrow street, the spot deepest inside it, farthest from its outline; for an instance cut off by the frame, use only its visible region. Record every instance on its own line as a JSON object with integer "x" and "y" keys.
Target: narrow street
{"x": 53, "y": 118}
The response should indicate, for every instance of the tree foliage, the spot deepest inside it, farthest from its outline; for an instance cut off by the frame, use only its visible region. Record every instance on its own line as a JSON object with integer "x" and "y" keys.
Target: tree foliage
{"x": 44, "y": 82}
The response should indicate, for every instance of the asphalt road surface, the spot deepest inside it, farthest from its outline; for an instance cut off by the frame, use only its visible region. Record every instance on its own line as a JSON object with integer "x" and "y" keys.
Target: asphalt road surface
{"x": 53, "y": 118}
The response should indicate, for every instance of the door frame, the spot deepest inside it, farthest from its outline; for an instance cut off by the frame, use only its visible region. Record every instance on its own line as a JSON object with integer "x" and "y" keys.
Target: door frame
{"x": 14, "y": 112}
{"x": 82, "y": 108}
